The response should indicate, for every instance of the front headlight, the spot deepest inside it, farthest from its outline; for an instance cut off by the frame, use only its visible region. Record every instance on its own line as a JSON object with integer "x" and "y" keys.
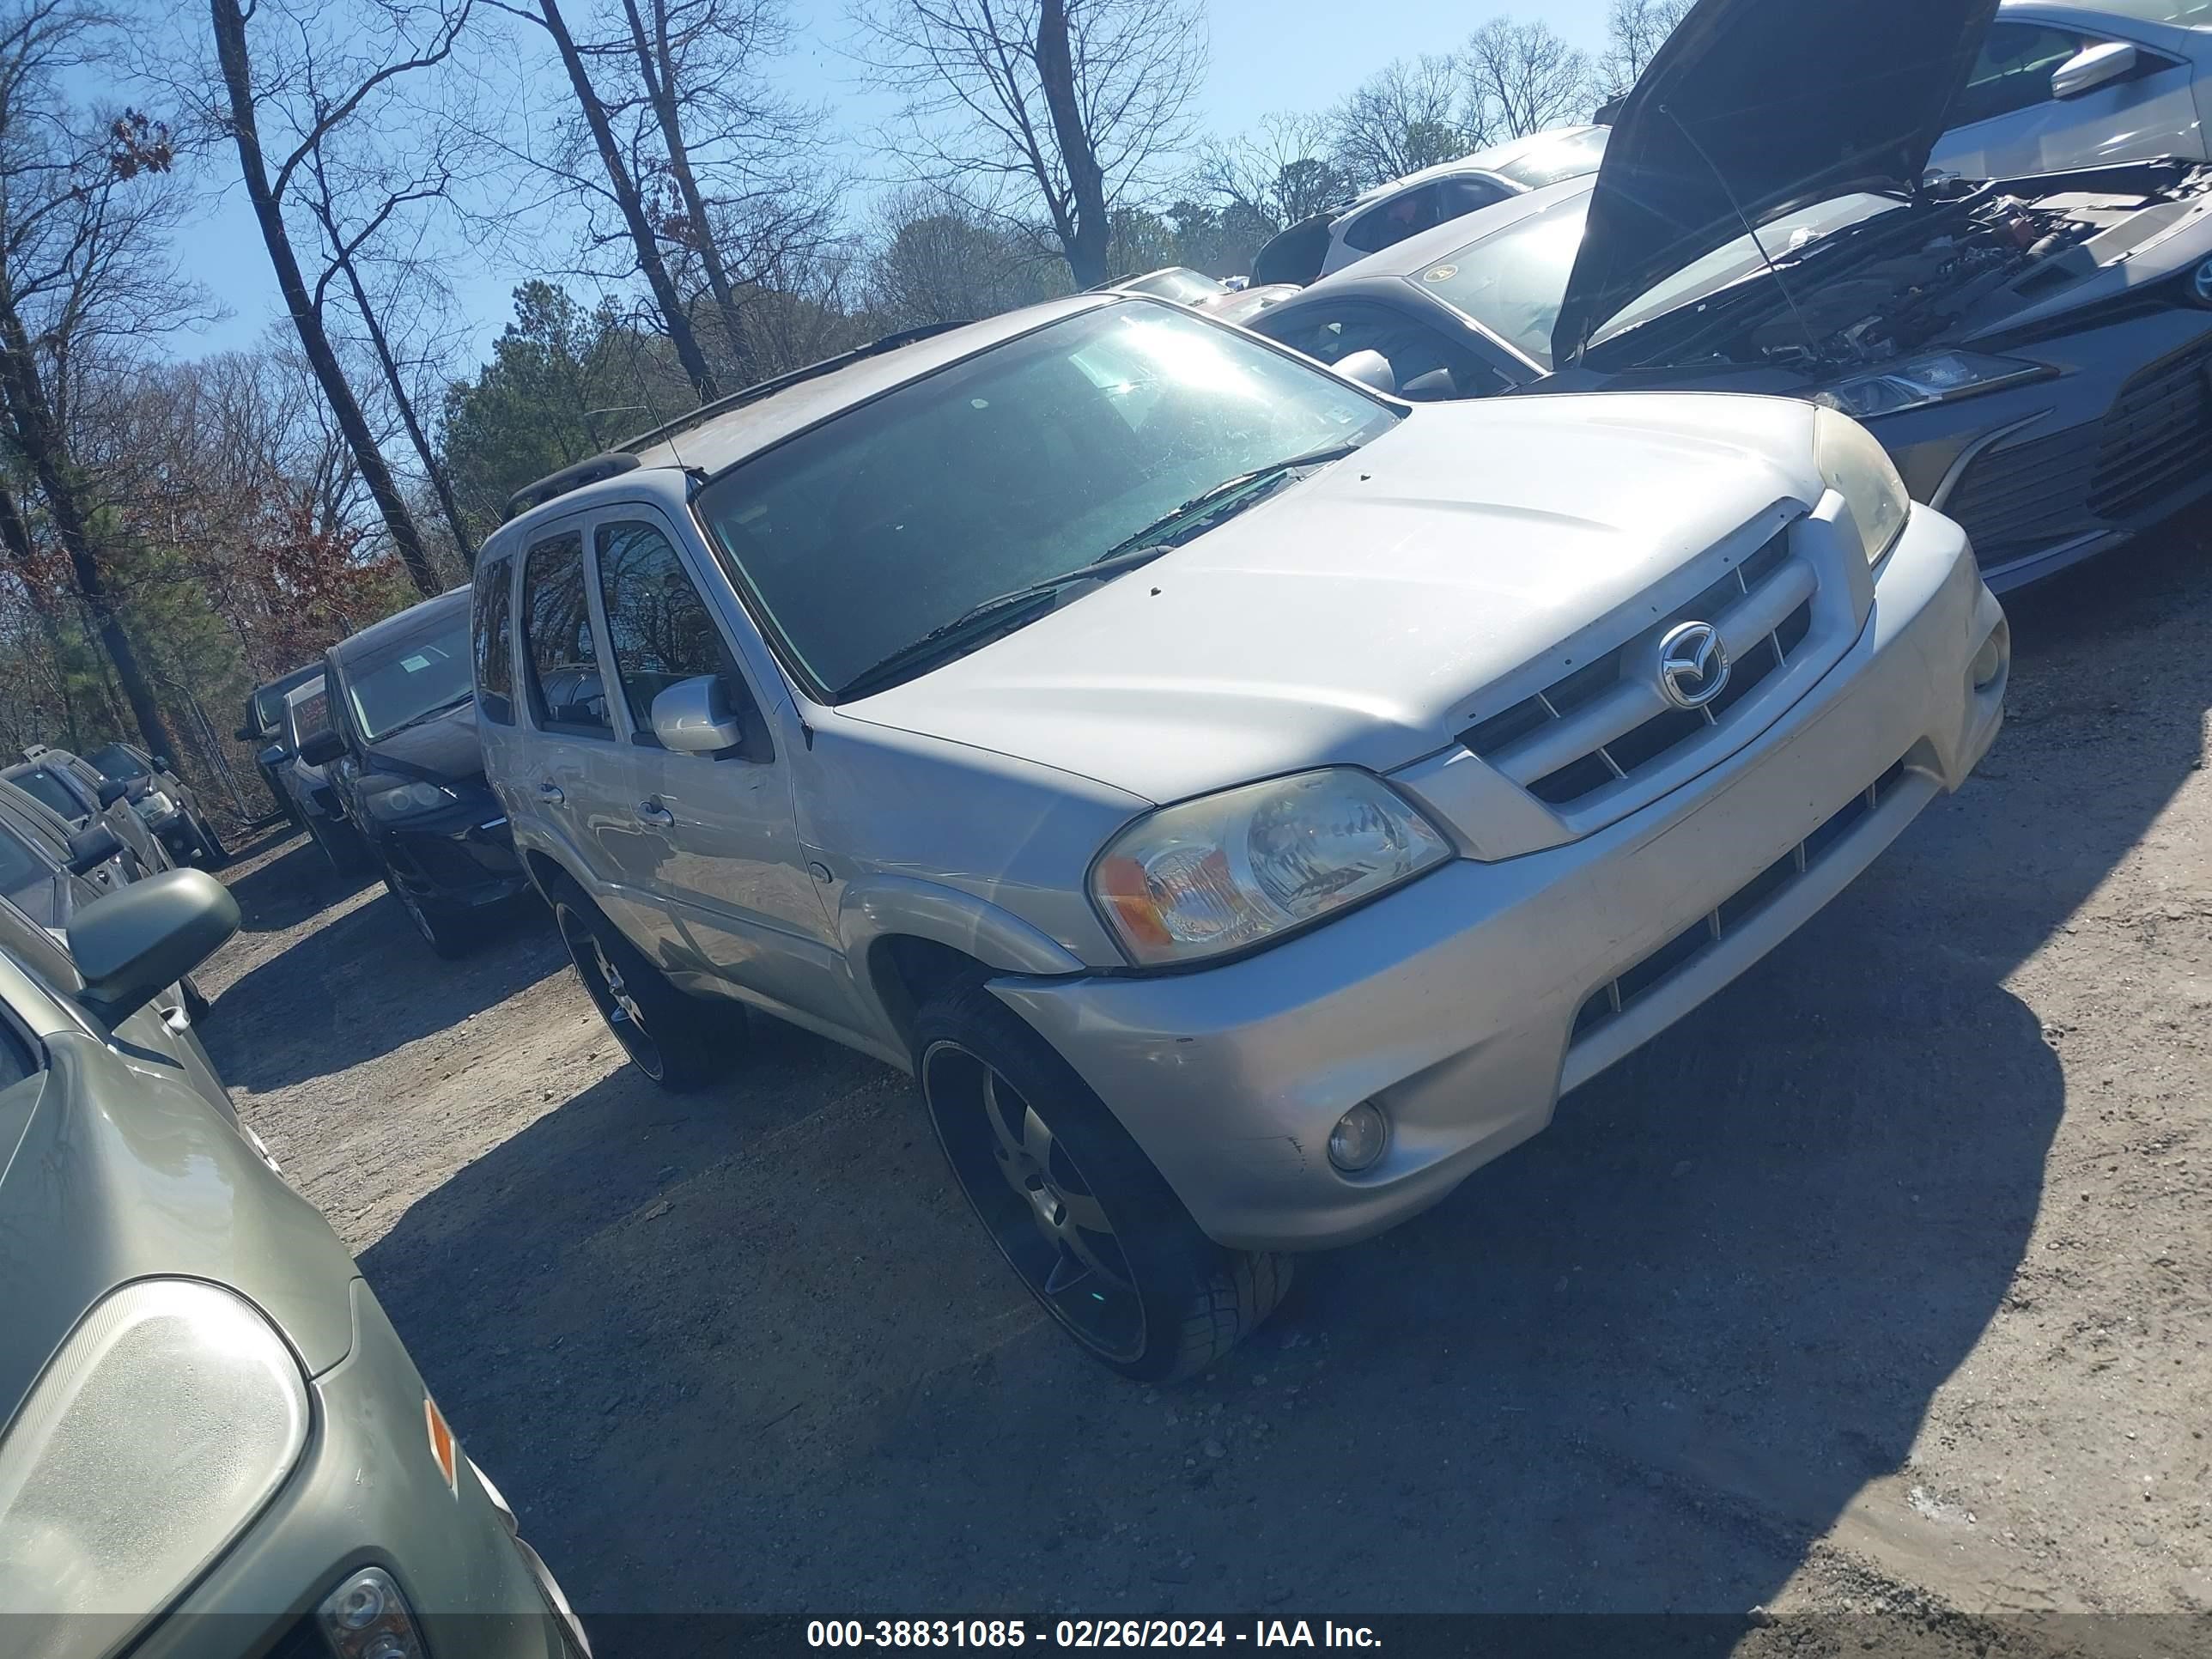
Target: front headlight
{"x": 411, "y": 800}
{"x": 162, "y": 1427}
{"x": 1248, "y": 865}
{"x": 1939, "y": 377}
{"x": 1854, "y": 464}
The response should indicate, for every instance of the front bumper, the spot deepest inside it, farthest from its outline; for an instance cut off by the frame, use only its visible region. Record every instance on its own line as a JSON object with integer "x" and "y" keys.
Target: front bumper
{"x": 461, "y": 856}
{"x": 368, "y": 1493}
{"x": 2049, "y": 473}
{"x": 1468, "y": 1002}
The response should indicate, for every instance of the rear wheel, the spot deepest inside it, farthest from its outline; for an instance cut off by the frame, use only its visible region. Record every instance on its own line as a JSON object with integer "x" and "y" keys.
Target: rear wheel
{"x": 1079, "y": 1211}
{"x": 678, "y": 1041}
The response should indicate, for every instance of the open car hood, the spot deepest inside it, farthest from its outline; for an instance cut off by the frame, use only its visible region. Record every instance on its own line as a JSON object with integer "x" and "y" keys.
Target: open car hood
{"x": 1751, "y": 108}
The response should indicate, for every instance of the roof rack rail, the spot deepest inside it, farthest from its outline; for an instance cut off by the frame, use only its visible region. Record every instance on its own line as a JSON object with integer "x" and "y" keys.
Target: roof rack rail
{"x": 738, "y": 399}
{"x": 624, "y": 455}
{"x": 610, "y": 465}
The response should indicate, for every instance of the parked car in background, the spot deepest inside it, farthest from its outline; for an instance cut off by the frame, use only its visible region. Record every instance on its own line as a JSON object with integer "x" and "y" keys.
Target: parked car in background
{"x": 401, "y": 753}
{"x": 1389, "y": 214}
{"x": 263, "y": 728}
{"x": 48, "y": 868}
{"x": 2036, "y": 354}
{"x": 1177, "y": 283}
{"x": 1245, "y": 802}
{"x": 1243, "y": 306}
{"x": 164, "y": 800}
{"x": 215, "y": 1440}
{"x": 2058, "y": 87}
{"x": 80, "y": 794}
{"x": 315, "y": 802}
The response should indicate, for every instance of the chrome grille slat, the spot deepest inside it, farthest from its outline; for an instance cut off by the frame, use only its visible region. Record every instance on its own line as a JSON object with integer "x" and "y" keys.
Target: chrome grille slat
{"x": 1605, "y": 723}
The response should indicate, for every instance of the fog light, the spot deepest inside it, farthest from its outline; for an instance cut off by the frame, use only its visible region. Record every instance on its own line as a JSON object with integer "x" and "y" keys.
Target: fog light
{"x": 1360, "y": 1137}
{"x": 1989, "y": 660}
{"x": 365, "y": 1618}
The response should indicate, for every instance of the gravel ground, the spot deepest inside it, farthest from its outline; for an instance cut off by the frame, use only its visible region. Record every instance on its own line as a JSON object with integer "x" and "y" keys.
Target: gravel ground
{"x": 1878, "y": 1290}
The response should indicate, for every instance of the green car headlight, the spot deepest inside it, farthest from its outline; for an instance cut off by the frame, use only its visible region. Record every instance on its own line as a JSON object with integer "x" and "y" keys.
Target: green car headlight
{"x": 159, "y": 1429}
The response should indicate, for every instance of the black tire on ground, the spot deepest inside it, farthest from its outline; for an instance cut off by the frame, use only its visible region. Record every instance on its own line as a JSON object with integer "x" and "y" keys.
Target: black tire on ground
{"x": 197, "y": 1007}
{"x": 339, "y": 843}
{"x": 213, "y": 853}
{"x": 441, "y": 927}
{"x": 681, "y": 1041}
{"x": 1080, "y": 1213}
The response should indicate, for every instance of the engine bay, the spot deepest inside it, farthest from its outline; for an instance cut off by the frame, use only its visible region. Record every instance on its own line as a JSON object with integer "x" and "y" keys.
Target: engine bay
{"x": 1957, "y": 255}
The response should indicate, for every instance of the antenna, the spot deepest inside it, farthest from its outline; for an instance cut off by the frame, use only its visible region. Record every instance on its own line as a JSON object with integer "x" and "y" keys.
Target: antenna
{"x": 1811, "y": 343}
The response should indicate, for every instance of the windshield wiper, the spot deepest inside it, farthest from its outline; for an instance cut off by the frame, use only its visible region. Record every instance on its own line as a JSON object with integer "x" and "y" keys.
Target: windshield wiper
{"x": 1156, "y": 533}
{"x": 432, "y": 713}
{"x": 1040, "y": 596}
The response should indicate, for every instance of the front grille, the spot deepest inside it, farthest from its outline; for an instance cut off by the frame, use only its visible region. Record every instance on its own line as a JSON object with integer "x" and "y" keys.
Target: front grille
{"x": 2030, "y": 494}
{"x": 2158, "y": 438}
{"x": 1511, "y": 739}
{"x": 1682, "y": 951}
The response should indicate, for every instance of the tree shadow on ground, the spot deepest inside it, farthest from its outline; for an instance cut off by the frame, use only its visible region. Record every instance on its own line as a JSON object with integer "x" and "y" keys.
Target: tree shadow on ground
{"x": 749, "y": 1350}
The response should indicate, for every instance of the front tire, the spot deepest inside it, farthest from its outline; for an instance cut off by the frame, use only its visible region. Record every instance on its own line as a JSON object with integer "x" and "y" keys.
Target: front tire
{"x": 1087, "y": 1222}
{"x": 680, "y": 1042}
{"x": 213, "y": 853}
{"x": 444, "y": 930}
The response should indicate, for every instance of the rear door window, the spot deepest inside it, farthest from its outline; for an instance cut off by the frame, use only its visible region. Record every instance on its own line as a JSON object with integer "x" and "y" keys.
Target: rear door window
{"x": 1404, "y": 215}
{"x": 567, "y": 689}
{"x": 659, "y": 627}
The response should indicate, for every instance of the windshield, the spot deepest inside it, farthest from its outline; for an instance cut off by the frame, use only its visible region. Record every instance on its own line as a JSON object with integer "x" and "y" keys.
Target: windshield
{"x": 43, "y": 785}
{"x": 1568, "y": 156}
{"x": 1184, "y": 287}
{"x": 401, "y": 681}
{"x": 116, "y": 761}
{"x": 1023, "y": 463}
{"x": 1513, "y": 281}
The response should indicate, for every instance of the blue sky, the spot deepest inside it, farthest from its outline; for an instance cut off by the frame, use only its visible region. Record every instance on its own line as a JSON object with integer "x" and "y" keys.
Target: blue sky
{"x": 1266, "y": 55}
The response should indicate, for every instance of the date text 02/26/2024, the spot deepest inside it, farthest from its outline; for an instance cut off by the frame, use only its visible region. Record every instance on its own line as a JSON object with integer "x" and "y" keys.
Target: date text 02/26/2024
{"x": 1083, "y": 1633}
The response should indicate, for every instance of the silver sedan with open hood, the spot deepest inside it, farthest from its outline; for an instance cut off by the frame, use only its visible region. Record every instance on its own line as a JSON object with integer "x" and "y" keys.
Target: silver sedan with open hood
{"x": 2035, "y": 353}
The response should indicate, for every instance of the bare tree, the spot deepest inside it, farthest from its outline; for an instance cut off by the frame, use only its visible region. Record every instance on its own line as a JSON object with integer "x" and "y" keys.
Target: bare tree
{"x": 1523, "y": 77}
{"x": 1059, "y": 110}
{"x": 1280, "y": 172}
{"x": 1412, "y": 115}
{"x": 325, "y": 70}
{"x": 76, "y": 271}
{"x": 1634, "y": 32}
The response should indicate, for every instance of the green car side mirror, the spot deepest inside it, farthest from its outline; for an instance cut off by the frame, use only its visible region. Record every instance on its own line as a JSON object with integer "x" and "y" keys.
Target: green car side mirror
{"x": 134, "y": 943}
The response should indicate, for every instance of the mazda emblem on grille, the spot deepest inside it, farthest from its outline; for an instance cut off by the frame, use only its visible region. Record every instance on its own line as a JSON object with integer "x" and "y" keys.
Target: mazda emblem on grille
{"x": 1693, "y": 666}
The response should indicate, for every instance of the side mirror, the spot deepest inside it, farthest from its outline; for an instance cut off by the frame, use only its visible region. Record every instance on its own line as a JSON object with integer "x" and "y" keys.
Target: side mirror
{"x": 248, "y": 734}
{"x": 137, "y": 789}
{"x": 134, "y": 943}
{"x": 1370, "y": 369}
{"x": 161, "y": 764}
{"x": 692, "y": 717}
{"x": 110, "y": 790}
{"x": 2099, "y": 66}
{"x": 272, "y": 757}
{"x": 322, "y": 747}
{"x": 92, "y": 847}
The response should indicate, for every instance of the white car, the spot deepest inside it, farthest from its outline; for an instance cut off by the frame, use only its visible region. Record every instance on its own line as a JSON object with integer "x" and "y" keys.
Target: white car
{"x": 2074, "y": 86}
{"x": 1389, "y": 214}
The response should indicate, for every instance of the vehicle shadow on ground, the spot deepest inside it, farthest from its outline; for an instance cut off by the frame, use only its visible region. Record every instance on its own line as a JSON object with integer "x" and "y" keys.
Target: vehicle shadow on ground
{"x": 747, "y": 1350}
{"x": 298, "y": 883}
{"x": 366, "y": 984}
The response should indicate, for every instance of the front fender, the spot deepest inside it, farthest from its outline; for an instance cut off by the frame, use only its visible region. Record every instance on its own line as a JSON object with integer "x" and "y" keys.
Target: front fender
{"x": 882, "y": 906}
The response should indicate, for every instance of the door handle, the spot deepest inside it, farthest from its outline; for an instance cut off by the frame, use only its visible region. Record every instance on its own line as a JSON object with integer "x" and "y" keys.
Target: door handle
{"x": 550, "y": 793}
{"x": 651, "y": 811}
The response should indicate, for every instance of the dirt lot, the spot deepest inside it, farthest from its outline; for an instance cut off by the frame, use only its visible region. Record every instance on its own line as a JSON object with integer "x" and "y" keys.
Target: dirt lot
{"x": 1882, "y": 1286}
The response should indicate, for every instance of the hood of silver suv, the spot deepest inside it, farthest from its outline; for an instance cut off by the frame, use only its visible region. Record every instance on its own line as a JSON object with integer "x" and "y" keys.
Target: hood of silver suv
{"x": 1353, "y": 618}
